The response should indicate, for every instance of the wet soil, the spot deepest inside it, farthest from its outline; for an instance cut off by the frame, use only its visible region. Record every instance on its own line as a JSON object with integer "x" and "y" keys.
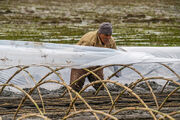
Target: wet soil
{"x": 139, "y": 23}
{"x": 56, "y": 105}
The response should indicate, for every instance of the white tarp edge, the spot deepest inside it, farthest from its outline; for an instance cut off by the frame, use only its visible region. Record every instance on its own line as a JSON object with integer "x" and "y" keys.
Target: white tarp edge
{"x": 28, "y": 53}
{"x": 13, "y": 53}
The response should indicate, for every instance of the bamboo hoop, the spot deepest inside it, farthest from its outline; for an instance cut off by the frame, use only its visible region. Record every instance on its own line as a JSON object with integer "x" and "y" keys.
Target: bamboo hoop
{"x": 33, "y": 115}
{"x": 68, "y": 87}
{"x": 132, "y": 85}
{"x": 18, "y": 71}
{"x": 172, "y": 72}
{"x": 145, "y": 109}
{"x": 176, "y": 89}
{"x": 31, "y": 90}
{"x": 153, "y": 112}
{"x": 54, "y": 71}
{"x": 39, "y": 92}
{"x": 93, "y": 111}
{"x": 129, "y": 90}
{"x": 170, "y": 114}
{"x": 102, "y": 84}
{"x": 32, "y": 100}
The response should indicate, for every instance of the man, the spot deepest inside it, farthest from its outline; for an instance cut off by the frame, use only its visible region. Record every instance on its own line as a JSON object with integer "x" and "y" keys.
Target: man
{"x": 100, "y": 38}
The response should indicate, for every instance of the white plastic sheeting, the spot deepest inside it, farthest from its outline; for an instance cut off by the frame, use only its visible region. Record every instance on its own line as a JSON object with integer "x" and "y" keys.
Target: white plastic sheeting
{"x": 146, "y": 59}
{"x": 13, "y": 53}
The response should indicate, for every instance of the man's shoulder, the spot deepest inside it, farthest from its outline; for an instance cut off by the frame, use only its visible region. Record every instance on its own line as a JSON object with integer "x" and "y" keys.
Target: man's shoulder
{"x": 89, "y": 36}
{"x": 91, "y": 33}
{"x": 88, "y": 39}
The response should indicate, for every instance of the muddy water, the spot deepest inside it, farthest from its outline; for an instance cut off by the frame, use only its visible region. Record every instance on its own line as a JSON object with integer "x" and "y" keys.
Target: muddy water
{"x": 136, "y": 23}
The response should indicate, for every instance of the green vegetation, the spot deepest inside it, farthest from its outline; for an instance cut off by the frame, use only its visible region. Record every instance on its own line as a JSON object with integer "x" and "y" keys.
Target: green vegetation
{"x": 143, "y": 23}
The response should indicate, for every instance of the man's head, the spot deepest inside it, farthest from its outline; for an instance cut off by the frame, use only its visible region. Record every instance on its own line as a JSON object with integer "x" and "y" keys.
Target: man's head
{"x": 105, "y": 32}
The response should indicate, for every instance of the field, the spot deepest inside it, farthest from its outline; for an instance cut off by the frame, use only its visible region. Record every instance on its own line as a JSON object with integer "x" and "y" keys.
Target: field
{"x": 135, "y": 22}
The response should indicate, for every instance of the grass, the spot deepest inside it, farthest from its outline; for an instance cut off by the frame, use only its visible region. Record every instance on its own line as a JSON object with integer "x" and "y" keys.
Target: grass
{"x": 58, "y": 22}
{"x": 124, "y": 35}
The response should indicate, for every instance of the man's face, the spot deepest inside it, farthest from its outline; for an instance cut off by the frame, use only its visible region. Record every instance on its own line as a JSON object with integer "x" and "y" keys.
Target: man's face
{"x": 105, "y": 38}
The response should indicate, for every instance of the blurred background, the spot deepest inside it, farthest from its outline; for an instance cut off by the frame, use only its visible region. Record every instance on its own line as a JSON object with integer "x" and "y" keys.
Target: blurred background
{"x": 135, "y": 22}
